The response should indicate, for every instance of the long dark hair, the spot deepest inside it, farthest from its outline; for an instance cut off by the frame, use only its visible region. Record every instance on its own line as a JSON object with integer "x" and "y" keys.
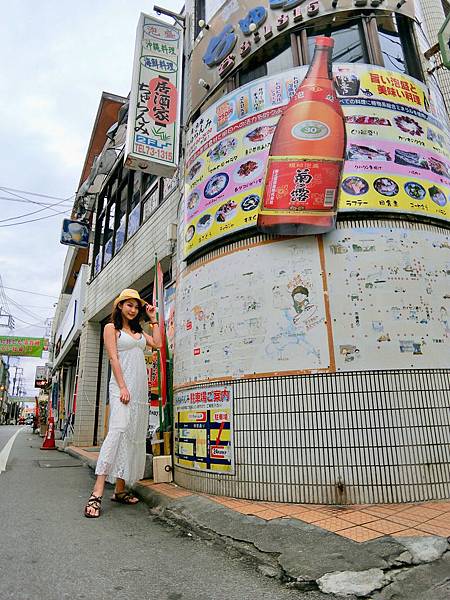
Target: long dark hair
{"x": 135, "y": 324}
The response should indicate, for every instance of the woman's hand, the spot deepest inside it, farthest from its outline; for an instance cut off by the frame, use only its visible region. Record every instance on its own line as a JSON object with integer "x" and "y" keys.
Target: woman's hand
{"x": 124, "y": 395}
{"x": 151, "y": 312}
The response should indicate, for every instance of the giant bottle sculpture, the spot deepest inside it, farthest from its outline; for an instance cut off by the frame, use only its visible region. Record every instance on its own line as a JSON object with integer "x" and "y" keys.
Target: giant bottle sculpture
{"x": 306, "y": 155}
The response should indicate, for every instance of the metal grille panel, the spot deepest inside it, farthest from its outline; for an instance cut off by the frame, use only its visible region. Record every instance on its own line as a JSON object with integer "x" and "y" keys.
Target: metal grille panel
{"x": 343, "y": 438}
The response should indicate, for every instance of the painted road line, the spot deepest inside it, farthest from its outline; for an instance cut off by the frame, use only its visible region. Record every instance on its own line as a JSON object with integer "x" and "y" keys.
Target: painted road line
{"x": 4, "y": 454}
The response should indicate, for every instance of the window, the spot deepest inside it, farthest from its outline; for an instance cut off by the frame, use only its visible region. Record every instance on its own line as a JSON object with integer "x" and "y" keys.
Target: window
{"x": 206, "y": 9}
{"x": 270, "y": 60}
{"x": 119, "y": 212}
{"x": 397, "y": 45}
{"x": 349, "y": 44}
{"x": 151, "y": 202}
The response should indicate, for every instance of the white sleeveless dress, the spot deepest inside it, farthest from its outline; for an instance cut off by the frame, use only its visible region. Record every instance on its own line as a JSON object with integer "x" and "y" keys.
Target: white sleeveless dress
{"x": 123, "y": 451}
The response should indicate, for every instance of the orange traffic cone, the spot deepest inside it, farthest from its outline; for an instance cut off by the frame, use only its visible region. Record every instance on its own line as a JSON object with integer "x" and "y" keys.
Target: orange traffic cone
{"x": 49, "y": 440}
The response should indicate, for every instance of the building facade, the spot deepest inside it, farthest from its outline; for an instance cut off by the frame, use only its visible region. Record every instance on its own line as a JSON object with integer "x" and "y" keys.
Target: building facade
{"x": 306, "y": 369}
{"x": 327, "y": 356}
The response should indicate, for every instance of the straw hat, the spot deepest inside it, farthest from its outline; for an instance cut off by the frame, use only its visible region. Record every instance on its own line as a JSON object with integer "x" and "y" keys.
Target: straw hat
{"x": 126, "y": 295}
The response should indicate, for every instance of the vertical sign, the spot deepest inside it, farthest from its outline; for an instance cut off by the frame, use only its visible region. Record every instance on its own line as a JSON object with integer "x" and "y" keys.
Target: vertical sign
{"x": 204, "y": 429}
{"x": 154, "y": 116}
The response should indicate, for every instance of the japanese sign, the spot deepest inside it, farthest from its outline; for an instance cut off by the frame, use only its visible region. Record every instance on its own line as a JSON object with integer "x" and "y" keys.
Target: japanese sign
{"x": 41, "y": 378}
{"x": 21, "y": 346}
{"x": 75, "y": 233}
{"x": 397, "y": 156}
{"x": 154, "y": 115}
{"x": 204, "y": 429}
{"x": 241, "y": 27}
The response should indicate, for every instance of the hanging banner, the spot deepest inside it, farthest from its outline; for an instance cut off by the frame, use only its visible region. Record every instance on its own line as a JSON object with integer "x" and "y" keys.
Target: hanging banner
{"x": 41, "y": 378}
{"x": 153, "y": 128}
{"x": 204, "y": 429}
{"x": 397, "y": 157}
{"x": 22, "y": 346}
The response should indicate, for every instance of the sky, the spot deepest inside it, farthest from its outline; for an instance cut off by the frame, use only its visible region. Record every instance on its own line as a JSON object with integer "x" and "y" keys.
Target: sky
{"x": 58, "y": 57}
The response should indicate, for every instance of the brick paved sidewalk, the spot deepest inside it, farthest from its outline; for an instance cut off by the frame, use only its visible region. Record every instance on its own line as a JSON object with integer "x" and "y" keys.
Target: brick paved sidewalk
{"x": 359, "y": 523}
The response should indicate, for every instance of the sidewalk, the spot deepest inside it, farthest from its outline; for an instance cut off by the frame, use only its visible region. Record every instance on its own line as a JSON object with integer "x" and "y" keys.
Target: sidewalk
{"x": 399, "y": 549}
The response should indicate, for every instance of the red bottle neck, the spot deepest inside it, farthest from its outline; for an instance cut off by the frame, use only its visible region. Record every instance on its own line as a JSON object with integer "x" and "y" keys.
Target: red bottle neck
{"x": 320, "y": 67}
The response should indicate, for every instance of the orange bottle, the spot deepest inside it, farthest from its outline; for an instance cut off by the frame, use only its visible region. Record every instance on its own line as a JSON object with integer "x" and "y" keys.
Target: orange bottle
{"x": 306, "y": 155}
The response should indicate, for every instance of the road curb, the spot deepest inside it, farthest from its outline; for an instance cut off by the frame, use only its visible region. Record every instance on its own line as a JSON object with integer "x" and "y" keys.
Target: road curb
{"x": 298, "y": 554}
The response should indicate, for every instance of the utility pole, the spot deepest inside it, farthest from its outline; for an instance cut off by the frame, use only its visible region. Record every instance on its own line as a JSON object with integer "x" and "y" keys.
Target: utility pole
{"x": 20, "y": 369}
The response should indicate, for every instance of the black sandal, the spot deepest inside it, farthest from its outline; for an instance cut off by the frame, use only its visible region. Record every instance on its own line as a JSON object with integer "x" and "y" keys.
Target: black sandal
{"x": 124, "y": 498}
{"x": 94, "y": 502}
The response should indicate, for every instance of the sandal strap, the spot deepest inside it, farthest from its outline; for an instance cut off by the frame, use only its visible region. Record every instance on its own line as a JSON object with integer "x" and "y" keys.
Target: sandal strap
{"x": 94, "y": 501}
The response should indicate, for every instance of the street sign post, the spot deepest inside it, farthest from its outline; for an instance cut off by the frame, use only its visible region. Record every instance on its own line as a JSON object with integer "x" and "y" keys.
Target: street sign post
{"x": 444, "y": 42}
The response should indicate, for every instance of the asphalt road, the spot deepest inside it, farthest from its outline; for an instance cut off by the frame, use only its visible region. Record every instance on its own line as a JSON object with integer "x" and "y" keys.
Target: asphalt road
{"x": 49, "y": 550}
{"x": 6, "y": 431}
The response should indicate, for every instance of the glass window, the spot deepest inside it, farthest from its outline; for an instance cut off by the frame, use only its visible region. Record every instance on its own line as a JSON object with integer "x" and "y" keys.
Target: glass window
{"x": 109, "y": 233}
{"x": 391, "y": 45}
{"x": 211, "y": 7}
{"x": 398, "y": 45}
{"x": 119, "y": 208}
{"x": 349, "y": 46}
{"x": 269, "y": 60}
{"x": 151, "y": 202}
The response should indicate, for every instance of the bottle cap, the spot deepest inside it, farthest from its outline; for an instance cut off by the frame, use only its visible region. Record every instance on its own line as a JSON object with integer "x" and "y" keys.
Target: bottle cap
{"x": 322, "y": 40}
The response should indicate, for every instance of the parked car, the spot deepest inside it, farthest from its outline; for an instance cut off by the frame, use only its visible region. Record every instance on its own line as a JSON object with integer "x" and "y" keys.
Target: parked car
{"x": 21, "y": 420}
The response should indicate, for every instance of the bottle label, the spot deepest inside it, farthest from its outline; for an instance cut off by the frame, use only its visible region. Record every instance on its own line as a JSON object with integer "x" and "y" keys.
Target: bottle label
{"x": 310, "y": 130}
{"x": 295, "y": 185}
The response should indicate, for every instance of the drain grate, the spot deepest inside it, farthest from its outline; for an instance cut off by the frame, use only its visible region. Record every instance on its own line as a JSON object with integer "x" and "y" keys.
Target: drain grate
{"x": 52, "y": 464}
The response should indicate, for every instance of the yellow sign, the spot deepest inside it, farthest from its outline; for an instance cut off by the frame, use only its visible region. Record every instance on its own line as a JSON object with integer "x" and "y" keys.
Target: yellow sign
{"x": 204, "y": 429}
{"x": 397, "y": 154}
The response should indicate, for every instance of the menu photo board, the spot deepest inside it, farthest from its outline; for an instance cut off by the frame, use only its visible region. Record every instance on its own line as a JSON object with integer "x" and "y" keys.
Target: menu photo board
{"x": 397, "y": 157}
{"x": 153, "y": 128}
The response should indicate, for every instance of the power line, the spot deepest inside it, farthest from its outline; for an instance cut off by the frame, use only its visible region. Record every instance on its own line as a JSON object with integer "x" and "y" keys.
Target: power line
{"x": 33, "y": 193}
{"x": 63, "y": 212}
{"x": 30, "y": 324}
{"x": 23, "y": 200}
{"x": 28, "y": 292}
{"x": 24, "y": 309}
{"x": 31, "y": 213}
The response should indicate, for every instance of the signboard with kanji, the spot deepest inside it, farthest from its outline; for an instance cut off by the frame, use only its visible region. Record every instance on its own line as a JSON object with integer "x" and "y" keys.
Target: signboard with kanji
{"x": 22, "y": 346}
{"x": 154, "y": 116}
{"x": 444, "y": 42}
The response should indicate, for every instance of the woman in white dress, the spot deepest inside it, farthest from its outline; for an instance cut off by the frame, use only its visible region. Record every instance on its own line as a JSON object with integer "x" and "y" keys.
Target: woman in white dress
{"x": 122, "y": 455}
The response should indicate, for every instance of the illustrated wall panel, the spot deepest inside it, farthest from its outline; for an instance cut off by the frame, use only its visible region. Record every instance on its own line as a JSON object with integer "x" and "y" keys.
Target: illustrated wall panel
{"x": 259, "y": 310}
{"x": 389, "y": 290}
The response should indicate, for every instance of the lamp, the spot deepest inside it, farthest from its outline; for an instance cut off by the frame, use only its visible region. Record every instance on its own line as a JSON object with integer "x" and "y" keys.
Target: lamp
{"x": 203, "y": 24}
{"x": 204, "y": 84}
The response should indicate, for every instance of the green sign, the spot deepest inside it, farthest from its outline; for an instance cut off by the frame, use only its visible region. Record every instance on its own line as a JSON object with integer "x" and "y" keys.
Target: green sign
{"x": 444, "y": 42}
{"x": 22, "y": 346}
